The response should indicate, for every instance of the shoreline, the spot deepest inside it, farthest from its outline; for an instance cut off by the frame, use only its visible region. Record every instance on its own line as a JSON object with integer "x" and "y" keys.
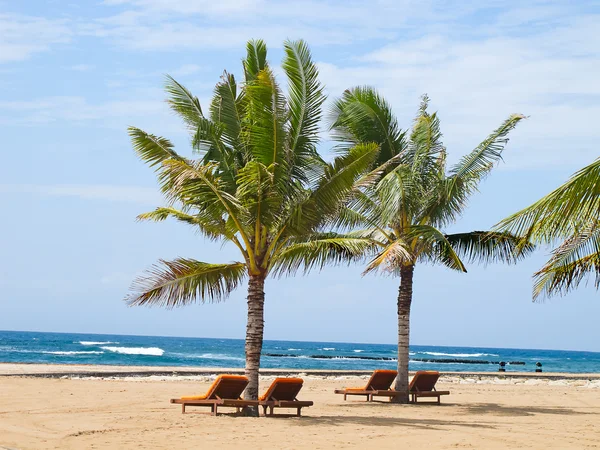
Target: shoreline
{"x": 37, "y": 370}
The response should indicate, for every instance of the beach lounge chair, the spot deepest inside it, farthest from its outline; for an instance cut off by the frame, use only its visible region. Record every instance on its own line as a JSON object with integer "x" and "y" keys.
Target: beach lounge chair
{"x": 423, "y": 385}
{"x": 378, "y": 385}
{"x": 282, "y": 394}
{"x": 225, "y": 391}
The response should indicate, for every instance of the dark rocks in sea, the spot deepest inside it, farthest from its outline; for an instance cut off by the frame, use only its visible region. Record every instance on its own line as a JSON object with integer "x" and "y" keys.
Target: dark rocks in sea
{"x": 383, "y": 358}
{"x": 466, "y": 361}
{"x": 374, "y": 358}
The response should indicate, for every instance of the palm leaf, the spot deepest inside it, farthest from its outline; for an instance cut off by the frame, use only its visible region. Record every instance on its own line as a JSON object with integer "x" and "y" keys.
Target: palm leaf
{"x": 575, "y": 259}
{"x": 489, "y": 246}
{"x": 561, "y": 213}
{"x": 305, "y": 97}
{"x": 362, "y": 116}
{"x": 183, "y": 102}
{"x": 152, "y": 149}
{"x": 319, "y": 251}
{"x": 184, "y": 281}
{"x": 256, "y": 59}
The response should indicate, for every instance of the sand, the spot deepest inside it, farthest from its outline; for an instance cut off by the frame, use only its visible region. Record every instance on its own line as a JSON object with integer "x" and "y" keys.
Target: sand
{"x": 134, "y": 412}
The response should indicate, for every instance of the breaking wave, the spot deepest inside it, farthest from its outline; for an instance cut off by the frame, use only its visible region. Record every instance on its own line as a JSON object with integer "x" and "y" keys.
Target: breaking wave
{"x": 149, "y": 351}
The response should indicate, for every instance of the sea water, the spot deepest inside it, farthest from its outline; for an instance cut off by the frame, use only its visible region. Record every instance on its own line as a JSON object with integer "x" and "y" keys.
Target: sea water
{"x": 68, "y": 348}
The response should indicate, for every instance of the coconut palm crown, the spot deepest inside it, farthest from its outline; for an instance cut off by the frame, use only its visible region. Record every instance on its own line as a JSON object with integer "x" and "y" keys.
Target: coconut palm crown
{"x": 571, "y": 214}
{"x": 415, "y": 198}
{"x": 258, "y": 184}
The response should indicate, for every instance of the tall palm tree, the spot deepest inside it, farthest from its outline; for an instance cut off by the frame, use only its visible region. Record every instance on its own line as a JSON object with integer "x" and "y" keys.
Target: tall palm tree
{"x": 415, "y": 198}
{"x": 571, "y": 214}
{"x": 259, "y": 184}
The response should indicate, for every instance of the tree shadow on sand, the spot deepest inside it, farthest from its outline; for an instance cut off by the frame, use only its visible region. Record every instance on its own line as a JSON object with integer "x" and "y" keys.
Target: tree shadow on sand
{"x": 381, "y": 421}
{"x": 503, "y": 410}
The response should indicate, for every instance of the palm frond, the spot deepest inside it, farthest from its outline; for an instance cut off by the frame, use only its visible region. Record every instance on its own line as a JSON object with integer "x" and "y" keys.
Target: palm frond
{"x": 184, "y": 281}
{"x": 489, "y": 246}
{"x": 430, "y": 244}
{"x": 571, "y": 262}
{"x": 305, "y": 98}
{"x": 333, "y": 188}
{"x": 561, "y": 213}
{"x": 477, "y": 164}
{"x": 265, "y": 118}
{"x": 395, "y": 255}
{"x": 210, "y": 226}
{"x": 183, "y": 102}
{"x": 319, "y": 251}
{"x": 362, "y": 115}
{"x": 256, "y": 59}
{"x": 152, "y": 149}
{"x": 226, "y": 109}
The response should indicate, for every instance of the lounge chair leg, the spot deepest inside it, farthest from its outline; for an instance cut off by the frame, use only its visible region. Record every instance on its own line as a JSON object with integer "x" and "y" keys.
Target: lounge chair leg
{"x": 439, "y": 400}
{"x": 214, "y": 410}
{"x": 271, "y": 410}
{"x": 299, "y": 412}
{"x": 183, "y": 408}
{"x": 344, "y": 397}
{"x": 264, "y": 410}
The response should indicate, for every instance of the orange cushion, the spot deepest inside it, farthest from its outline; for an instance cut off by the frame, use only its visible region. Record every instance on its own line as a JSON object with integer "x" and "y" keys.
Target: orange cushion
{"x": 213, "y": 386}
{"x": 276, "y": 381}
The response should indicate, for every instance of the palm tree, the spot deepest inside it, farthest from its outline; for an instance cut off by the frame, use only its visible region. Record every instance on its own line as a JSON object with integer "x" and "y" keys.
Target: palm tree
{"x": 406, "y": 211}
{"x": 259, "y": 184}
{"x": 570, "y": 213}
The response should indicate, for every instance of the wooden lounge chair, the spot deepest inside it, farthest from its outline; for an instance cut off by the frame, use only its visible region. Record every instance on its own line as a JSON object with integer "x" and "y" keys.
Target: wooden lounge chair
{"x": 378, "y": 385}
{"x": 282, "y": 394}
{"x": 423, "y": 385}
{"x": 225, "y": 391}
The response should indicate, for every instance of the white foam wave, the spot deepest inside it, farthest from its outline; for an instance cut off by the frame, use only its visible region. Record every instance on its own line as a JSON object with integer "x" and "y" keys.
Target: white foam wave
{"x": 73, "y": 353}
{"x": 149, "y": 351}
{"x": 209, "y": 356}
{"x": 96, "y": 343}
{"x": 459, "y": 355}
{"x": 293, "y": 349}
{"x": 358, "y": 351}
{"x": 412, "y": 353}
{"x": 327, "y": 348}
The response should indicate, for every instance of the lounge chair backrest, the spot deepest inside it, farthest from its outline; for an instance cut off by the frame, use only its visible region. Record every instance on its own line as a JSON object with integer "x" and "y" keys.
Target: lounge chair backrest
{"x": 381, "y": 380}
{"x": 227, "y": 386}
{"x": 423, "y": 381}
{"x": 283, "y": 389}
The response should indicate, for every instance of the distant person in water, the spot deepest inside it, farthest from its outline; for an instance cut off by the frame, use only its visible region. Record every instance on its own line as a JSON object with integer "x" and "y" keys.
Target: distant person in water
{"x": 538, "y": 366}
{"x": 502, "y": 367}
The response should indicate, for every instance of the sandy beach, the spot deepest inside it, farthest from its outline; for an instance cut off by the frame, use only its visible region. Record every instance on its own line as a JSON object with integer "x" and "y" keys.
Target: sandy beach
{"x": 76, "y": 412}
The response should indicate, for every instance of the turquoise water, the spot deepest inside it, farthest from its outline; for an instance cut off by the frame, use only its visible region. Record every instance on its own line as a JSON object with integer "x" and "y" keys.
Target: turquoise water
{"x": 67, "y": 348}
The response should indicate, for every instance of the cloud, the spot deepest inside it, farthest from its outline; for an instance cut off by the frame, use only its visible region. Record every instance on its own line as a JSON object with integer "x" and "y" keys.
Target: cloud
{"x": 548, "y": 74}
{"x": 128, "y": 194}
{"x": 23, "y": 36}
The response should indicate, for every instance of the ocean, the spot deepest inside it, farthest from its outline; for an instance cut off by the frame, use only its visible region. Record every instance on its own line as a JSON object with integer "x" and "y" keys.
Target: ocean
{"x": 71, "y": 348}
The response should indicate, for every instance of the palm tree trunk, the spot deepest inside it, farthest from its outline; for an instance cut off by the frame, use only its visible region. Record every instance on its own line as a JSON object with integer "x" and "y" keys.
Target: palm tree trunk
{"x": 404, "y": 301}
{"x": 254, "y": 337}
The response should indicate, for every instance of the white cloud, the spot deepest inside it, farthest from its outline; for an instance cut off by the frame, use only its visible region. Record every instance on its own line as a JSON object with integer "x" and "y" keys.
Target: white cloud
{"x": 549, "y": 75}
{"x": 22, "y": 36}
{"x": 129, "y": 194}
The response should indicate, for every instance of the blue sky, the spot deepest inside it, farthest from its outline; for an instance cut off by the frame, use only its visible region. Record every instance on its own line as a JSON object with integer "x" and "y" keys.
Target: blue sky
{"x": 75, "y": 74}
